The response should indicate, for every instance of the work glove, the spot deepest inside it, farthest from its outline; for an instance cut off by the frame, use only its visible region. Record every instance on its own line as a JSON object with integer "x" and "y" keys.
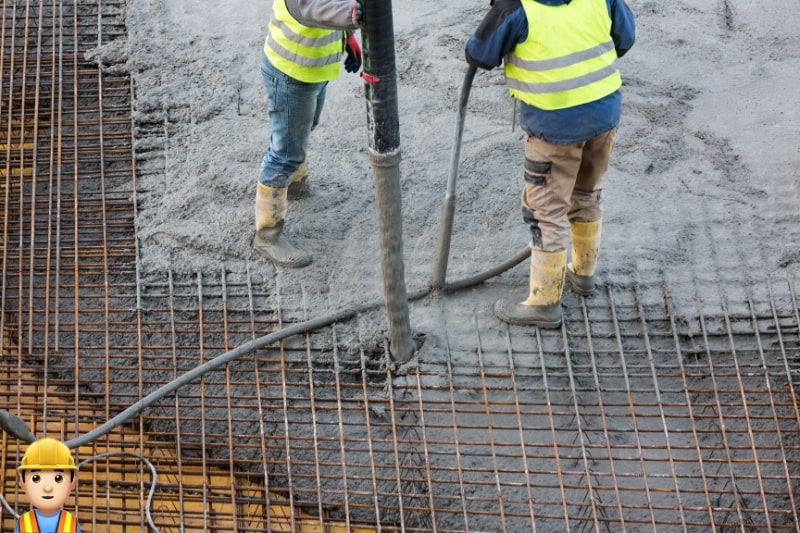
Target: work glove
{"x": 353, "y": 49}
{"x": 358, "y": 12}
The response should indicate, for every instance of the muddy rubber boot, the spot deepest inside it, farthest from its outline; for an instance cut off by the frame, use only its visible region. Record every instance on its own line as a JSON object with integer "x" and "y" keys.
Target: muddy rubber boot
{"x": 585, "y": 249}
{"x": 298, "y": 186}
{"x": 270, "y": 240}
{"x": 543, "y": 306}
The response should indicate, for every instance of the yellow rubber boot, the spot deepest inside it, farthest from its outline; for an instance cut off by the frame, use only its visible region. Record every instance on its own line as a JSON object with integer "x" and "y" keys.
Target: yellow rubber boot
{"x": 270, "y": 240}
{"x": 298, "y": 186}
{"x": 542, "y": 308}
{"x": 585, "y": 249}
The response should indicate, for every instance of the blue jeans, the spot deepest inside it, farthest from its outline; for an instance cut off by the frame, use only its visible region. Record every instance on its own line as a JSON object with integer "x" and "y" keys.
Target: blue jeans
{"x": 294, "y": 110}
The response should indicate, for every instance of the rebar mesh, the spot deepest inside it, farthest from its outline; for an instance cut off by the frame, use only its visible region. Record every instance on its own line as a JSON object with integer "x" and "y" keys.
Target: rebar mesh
{"x": 627, "y": 419}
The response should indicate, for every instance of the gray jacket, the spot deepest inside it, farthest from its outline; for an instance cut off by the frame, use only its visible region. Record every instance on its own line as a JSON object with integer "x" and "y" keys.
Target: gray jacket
{"x": 328, "y": 14}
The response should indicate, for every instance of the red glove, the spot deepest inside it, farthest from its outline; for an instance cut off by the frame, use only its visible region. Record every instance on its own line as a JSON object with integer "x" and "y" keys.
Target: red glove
{"x": 353, "y": 61}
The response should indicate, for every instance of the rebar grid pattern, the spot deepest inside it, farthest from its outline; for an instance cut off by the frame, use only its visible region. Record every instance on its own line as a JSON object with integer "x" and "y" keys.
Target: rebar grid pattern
{"x": 624, "y": 420}
{"x": 627, "y": 419}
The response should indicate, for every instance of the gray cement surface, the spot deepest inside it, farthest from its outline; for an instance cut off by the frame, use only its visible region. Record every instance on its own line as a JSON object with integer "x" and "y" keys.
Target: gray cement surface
{"x": 703, "y": 181}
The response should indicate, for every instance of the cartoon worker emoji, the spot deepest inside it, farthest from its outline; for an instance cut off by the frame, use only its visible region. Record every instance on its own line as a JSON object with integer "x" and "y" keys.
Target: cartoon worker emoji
{"x": 47, "y": 475}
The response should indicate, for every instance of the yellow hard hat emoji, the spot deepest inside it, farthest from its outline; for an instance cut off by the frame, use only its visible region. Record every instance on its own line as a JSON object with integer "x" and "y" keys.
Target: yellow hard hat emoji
{"x": 47, "y": 454}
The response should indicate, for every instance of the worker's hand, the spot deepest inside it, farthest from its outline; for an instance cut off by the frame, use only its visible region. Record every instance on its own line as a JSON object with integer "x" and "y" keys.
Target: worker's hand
{"x": 353, "y": 61}
{"x": 358, "y": 12}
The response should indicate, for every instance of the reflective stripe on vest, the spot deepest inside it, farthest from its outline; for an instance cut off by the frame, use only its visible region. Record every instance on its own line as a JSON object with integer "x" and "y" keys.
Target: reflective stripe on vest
{"x": 307, "y": 54}
{"x": 67, "y": 523}
{"x": 28, "y": 524}
{"x": 568, "y": 58}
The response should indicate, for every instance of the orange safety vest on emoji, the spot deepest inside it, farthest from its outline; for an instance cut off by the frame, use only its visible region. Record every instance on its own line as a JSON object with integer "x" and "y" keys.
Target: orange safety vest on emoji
{"x": 66, "y": 523}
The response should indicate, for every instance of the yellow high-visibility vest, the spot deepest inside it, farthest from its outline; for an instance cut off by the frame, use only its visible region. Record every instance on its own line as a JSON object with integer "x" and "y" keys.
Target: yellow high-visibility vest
{"x": 66, "y": 523}
{"x": 568, "y": 58}
{"x": 307, "y": 54}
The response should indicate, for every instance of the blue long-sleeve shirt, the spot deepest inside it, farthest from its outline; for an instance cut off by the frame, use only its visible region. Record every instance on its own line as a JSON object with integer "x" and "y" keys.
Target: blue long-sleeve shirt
{"x": 506, "y": 26}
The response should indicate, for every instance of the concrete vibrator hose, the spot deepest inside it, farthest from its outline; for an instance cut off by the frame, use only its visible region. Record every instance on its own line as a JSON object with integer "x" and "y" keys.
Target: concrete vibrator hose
{"x": 449, "y": 206}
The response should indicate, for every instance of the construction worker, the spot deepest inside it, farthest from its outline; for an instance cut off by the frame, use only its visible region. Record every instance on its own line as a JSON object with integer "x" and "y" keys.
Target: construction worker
{"x": 306, "y": 42}
{"x": 559, "y": 59}
{"x": 47, "y": 476}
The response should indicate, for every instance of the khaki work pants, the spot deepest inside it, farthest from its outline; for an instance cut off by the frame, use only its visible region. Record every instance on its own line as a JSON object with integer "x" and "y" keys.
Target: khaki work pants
{"x": 563, "y": 184}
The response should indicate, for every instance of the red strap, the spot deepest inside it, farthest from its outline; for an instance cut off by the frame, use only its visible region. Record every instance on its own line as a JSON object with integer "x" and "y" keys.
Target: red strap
{"x": 369, "y": 78}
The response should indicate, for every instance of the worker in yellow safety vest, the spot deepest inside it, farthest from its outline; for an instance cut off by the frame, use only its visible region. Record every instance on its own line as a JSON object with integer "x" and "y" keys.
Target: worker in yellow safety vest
{"x": 560, "y": 62}
{"x": 47, "y": 476}
{"x": 303, "y": 51}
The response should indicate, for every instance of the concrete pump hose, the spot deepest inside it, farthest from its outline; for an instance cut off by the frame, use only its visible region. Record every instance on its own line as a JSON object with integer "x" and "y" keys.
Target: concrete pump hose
{"x": 266, "y": 340}
{"x": 199, "y": 371}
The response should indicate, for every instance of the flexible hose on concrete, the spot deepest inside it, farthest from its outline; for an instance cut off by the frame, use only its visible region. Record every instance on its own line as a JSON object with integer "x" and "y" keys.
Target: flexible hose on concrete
{"x": 449, "y": 204}
{"x": 477, "y": 279}
{"x": 255, "y": 344}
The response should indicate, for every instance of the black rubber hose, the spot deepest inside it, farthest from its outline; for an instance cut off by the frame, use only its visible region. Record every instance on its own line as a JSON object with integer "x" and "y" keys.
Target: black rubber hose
{"x": 449, "y": 205}
{"x": 255, "y": 344}
{"x": 439, "y": 273}
{"x": 508, "y": 264}
{"x": 213, "y": 364}
{"x": 380, "y": 77}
